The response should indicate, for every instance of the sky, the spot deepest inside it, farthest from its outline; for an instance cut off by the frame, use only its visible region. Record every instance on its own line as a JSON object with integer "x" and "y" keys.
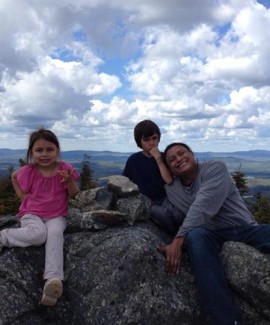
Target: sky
{"x": 91, "y": 70}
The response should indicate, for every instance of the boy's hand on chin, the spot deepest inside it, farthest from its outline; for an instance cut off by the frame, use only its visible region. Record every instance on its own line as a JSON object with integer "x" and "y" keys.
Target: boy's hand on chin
{"x": 155, "y": 153}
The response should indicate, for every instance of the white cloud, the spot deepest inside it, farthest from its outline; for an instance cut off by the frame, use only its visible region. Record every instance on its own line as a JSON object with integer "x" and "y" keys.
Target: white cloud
{"x": 90, "y": 70}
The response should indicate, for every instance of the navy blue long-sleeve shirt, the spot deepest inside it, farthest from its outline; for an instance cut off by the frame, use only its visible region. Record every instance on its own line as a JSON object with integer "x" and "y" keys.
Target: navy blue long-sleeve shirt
{"x": 144, "y": 172}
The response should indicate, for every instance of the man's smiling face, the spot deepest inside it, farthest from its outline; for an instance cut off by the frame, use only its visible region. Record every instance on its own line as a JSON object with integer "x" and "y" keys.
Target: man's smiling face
{"x": 181, "y": 161}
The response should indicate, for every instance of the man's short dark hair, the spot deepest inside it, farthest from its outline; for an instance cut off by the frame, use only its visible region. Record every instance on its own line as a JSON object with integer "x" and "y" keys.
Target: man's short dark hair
{"x": 145, "y": 129}
{"x": 176, "y": 144}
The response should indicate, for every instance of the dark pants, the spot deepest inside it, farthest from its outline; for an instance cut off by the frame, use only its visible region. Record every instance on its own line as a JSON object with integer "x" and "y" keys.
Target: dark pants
{"x": 166, "y": 216}
{"x": 203, "y": 247}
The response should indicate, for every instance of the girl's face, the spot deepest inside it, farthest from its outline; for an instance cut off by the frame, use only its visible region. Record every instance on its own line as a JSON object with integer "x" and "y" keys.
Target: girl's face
{"x": 44, "y": 153}
{"x": 149, "y": 143}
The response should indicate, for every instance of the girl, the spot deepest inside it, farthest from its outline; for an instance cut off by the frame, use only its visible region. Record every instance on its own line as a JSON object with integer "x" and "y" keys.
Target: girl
{"x": 44, "y": 186}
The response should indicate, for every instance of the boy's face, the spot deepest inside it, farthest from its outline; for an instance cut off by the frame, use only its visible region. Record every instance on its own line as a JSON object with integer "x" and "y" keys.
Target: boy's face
{"x": 149, "y": 143}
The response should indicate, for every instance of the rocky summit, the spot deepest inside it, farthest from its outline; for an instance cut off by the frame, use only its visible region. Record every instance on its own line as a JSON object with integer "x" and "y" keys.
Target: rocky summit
{"x": 114, "y": 274}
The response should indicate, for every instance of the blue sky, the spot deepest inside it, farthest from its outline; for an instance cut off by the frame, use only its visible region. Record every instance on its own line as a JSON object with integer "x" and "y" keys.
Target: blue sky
{"x": 91, "y": 70}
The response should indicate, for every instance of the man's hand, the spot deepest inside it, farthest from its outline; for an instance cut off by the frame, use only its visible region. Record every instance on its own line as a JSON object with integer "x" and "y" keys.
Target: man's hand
{"x": 173, "y": 254}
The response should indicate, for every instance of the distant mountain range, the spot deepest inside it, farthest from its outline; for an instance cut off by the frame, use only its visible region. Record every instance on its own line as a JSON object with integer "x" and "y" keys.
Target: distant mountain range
{"x": 254, "y": 163}
{"x": 253, "y": 155}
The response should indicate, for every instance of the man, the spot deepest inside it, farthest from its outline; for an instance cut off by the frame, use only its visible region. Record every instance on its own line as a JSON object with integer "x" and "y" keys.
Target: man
{"x": 211, "y": 212}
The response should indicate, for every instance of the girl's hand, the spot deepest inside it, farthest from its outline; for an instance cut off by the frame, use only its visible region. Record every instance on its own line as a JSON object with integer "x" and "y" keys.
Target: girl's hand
{"x": 66, "y": 175}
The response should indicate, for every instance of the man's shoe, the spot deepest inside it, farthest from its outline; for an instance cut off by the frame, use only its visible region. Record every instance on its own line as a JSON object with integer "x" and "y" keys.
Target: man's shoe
{"x": 52, "y": 290}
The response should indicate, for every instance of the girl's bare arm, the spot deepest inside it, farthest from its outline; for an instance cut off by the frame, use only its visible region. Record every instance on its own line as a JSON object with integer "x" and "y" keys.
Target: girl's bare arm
{"x": 20, "y": 193}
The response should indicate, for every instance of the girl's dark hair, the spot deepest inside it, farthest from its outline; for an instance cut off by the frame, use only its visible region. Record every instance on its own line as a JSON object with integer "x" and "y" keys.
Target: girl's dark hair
{"x": 177, "y": 144}
{"x": 38, "y": 135}
{"x": 145, "y": 129}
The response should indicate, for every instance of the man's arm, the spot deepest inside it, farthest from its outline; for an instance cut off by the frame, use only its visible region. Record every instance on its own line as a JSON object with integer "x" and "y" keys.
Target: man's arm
{"x": 215, "y": 186}
{"x": 214, "y": 189}
{"x": 164, "y": 171}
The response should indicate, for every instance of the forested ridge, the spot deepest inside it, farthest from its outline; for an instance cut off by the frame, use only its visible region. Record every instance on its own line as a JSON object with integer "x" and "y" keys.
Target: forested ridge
{"x": 258, "y": 204}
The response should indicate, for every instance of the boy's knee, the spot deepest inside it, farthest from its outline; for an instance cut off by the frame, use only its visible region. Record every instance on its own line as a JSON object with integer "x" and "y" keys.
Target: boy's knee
{"x": 157, "y": 213}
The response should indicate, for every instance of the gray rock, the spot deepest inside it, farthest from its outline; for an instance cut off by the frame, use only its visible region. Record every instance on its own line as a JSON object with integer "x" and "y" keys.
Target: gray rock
{"x": 120, "y": 195}
{"x": 114, "y": 274}
{"x": 122, "y": 186}
{"x": 94, "y": 199}
{"x": 134, "y": 208}
{"x": 248, "y": 272}
{"x": 101, "y": 219}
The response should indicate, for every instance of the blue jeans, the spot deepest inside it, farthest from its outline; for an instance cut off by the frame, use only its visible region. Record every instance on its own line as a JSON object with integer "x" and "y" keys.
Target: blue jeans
{"x": 203, "y": 247}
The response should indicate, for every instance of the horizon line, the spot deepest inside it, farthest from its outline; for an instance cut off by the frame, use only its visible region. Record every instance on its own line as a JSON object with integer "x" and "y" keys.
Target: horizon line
{"x": 131, "y": 152}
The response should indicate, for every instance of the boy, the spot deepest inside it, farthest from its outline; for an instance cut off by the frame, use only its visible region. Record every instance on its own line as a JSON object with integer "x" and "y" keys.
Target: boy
{"x": 147, "y": 169}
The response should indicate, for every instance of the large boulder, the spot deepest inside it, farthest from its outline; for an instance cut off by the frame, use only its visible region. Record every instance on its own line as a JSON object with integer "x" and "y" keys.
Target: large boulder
{"x": 115, "y": 275}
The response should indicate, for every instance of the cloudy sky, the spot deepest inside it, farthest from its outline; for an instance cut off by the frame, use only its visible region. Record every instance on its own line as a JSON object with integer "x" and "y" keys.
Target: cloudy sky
{"x": 91, "y": 70}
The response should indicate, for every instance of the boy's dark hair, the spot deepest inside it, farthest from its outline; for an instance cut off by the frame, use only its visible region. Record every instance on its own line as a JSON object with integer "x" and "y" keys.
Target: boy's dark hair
{"x": 38, "y": 135}
{"x": 145, "y": 129}
{"x": 176, "y": 144}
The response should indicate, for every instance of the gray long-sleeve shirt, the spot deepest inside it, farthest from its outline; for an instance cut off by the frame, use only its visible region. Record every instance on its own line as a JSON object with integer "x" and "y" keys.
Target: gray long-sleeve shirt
{"x": 212, "y": 201}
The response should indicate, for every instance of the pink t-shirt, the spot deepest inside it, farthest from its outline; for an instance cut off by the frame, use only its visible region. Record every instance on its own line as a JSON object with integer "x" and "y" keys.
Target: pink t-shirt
{"x": 47, "y": 196}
